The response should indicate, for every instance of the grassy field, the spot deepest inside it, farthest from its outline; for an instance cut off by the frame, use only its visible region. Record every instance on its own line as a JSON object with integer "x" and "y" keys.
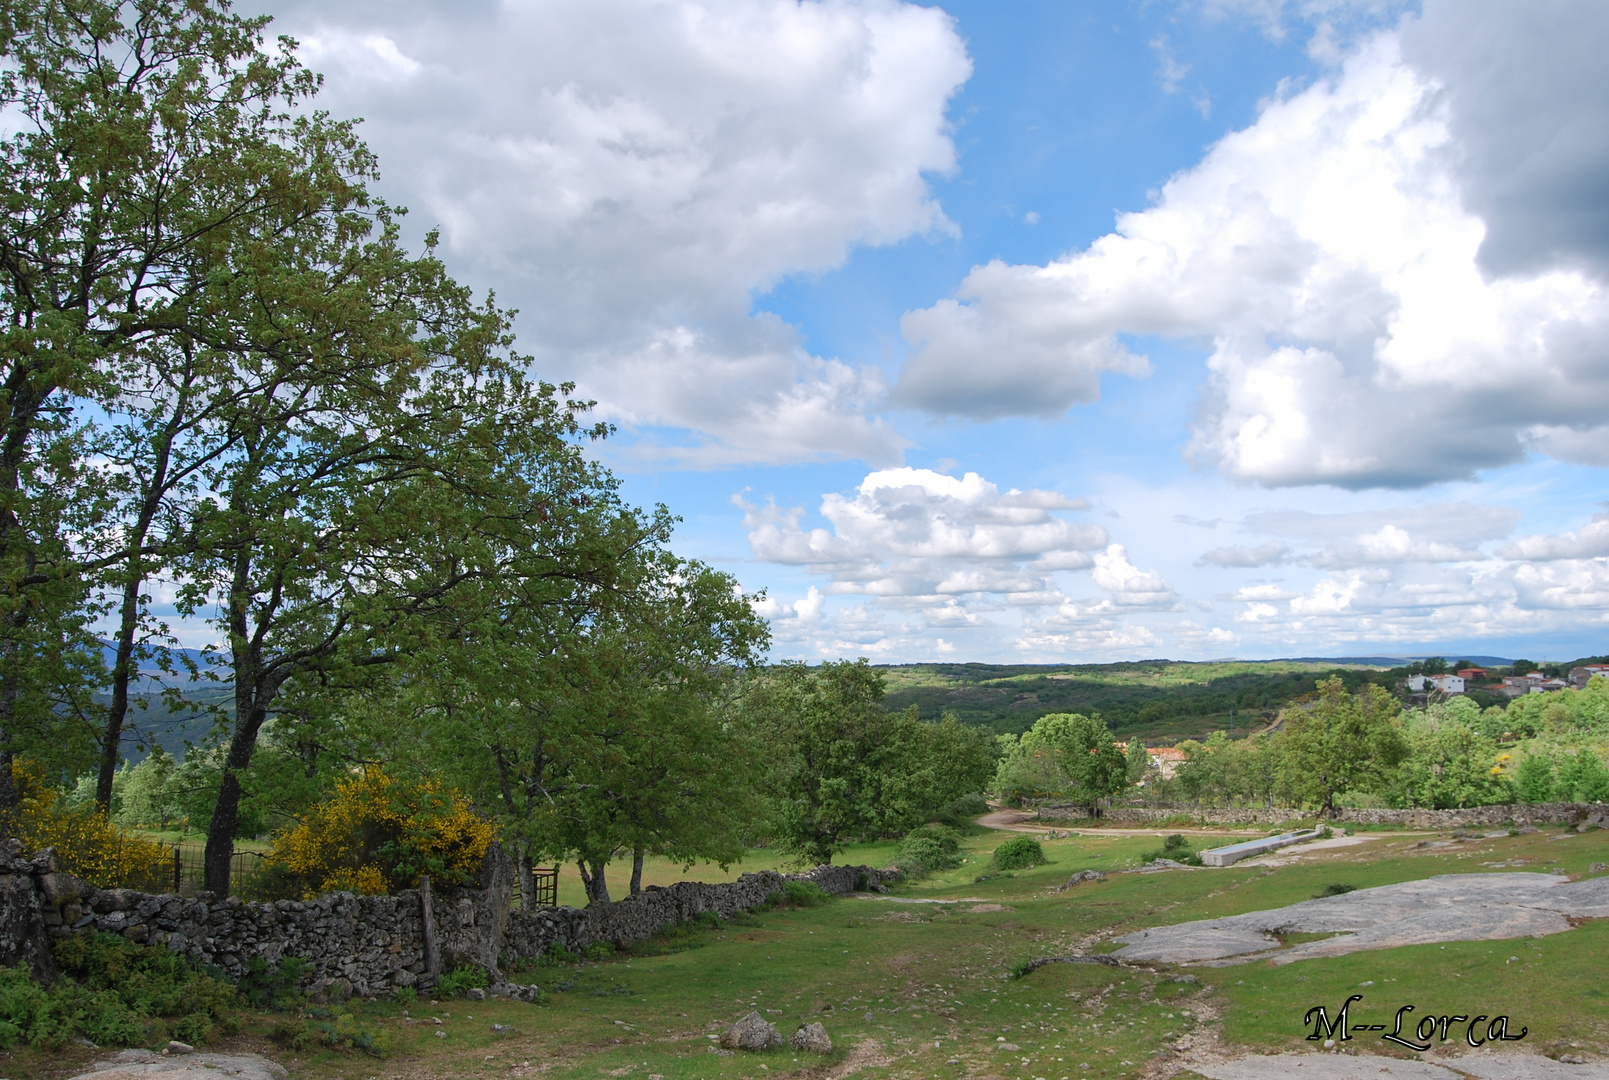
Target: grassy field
{"x": 910, "y": 989}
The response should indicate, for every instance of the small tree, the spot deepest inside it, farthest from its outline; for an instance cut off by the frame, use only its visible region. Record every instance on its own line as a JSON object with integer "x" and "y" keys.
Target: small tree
{"x": 843, "y": 767}
{"x": 1085, "y": 752}
{"x": 1137, "y": 760}
{"x": 1534, "y": 778}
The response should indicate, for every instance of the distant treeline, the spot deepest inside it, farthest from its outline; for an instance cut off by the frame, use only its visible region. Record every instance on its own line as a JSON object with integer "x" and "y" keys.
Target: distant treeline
{"x": 1157, "y": 699}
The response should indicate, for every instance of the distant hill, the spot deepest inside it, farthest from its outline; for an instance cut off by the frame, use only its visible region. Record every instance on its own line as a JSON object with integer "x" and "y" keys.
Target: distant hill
{"x": 1400, "y": 661}
{"x": 1158, "y": 700}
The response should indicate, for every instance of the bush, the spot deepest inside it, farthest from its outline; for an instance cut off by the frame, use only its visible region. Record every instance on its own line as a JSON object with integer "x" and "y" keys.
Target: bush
{"x": 87, "y": 844}
{"x": 115, "y": 993}
{"x": 1333, "y": 890}
{"x": 277, "y": 987}
{"x": 960, "y": 813}
{"x": 801, "y": 894}
{"x": 926, "y": 850}
{"x": 1019, "y": 853}
{"x": 1176, "y": 847}
{"x": 459, "y": 979}
{"x": 377, "y": 834}
{"x": 323, "y": 1029}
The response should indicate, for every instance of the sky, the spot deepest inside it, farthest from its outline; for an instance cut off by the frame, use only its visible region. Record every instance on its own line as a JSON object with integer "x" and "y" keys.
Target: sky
{"x": 1049, "y": 332}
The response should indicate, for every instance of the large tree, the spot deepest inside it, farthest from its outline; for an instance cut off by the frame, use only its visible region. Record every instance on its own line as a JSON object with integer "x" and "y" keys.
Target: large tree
{"x": 841, "y": 767}
{"x": 599, "y": 722}
{"x": 1337, "y": 741}
{"x": 159, "y": 174}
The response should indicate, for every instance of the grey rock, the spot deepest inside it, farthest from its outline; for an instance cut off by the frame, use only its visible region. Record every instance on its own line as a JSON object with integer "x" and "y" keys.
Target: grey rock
{"x": 811, "y": 1039}
{"x": 177, "y": 1047}
{"x": 1323, "y": 1067}
{"x": 1081, "y": 877}
{"x": 1526, "y": 1067}
{"x": 144, "y": 1065}
{"x": 1451, "y": 907}
{"x": 751, "y": 1032}
{"x": 475, "y": 993}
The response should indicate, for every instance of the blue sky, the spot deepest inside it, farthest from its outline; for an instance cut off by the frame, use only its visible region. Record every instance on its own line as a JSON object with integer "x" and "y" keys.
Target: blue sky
{"x": 1051, "y": 332}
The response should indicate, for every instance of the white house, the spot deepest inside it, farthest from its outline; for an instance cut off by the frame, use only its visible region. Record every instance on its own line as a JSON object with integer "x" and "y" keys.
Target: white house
{"x": 1447, "y": 684}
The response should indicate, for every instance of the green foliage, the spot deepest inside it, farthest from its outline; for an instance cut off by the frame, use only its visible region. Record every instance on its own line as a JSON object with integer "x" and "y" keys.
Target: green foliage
{"x": 323, "y": 1029}
{"x": 1063, "y": 754}
{"x": 926, "y": 850}
{"x": 466, "y": 977}
{"x": 1019, "y": 853}
{"x": 801, "y": 894}
{"x": 1136, "y": 760}
{"x": 277, "y": 987}
{"x": 149, "y": 795}
{"x": 1338, "y": 741}
{"x": 1450, "y": 765}
{"x": 960, "y": 812}
{"x": 1583, "y": 778}
{"x": 1175, "y": 846}
{"x": 843, "y": 768}
{"x": 1334, "y": 889}
{"x": 1155, "y": 698}
{"x": 405, "y": 996}
{"x": 1563, "y": 712}
{"x": 114, "y": 993}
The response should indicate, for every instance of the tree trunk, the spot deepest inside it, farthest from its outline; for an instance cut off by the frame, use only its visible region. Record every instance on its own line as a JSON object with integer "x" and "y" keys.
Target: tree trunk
{"x": 527, "y": 880}
{"x": 117, "y": 711}
{"x": 592, "y": 879}
{"x": 220, "y": 850}
{"x": 636, "y": 870}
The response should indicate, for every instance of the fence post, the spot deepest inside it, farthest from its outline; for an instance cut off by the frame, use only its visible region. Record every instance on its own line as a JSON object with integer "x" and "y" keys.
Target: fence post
{"x": 432, "y": 957}
{"x": 178, "y": 869}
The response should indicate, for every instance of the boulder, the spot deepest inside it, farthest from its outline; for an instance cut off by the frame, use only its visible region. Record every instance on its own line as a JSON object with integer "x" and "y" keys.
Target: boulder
{"x": 752, "y": 1032}
{"x": 812, "y": 1039}
{"x": 144, "y": 1065}
{"x": 1081, "y": 877}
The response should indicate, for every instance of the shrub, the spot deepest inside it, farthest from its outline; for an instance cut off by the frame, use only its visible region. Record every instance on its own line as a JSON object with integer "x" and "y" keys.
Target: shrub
{"x": 87, "y": 844}
{"x": 1019, "y": 853}
{"x": 928, "y": 849}
{"x": 1333, "y": 890}
{"x": 959, "y": 813}
{"x": 323, "y": 1029}
{"x": 1175, "y": 846}
{"x": 115, "y": 993}
{"x": 459, "y": 979}
{"x": 277, "y": 987}
{"x": 801, "y": 894}
{"x": 376, "y": 834}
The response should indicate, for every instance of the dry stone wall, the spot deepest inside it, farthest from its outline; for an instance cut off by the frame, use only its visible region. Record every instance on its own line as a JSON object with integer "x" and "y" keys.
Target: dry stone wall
{"x": 530, "y": 934}
{"x": 359, "y": 945}
{"x": 1503, "y": 814}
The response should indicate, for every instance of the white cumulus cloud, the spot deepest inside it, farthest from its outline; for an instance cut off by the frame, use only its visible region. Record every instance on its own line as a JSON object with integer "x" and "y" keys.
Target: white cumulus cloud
{"x": 628, "y": 173}
{"x": 1364, "y": 333}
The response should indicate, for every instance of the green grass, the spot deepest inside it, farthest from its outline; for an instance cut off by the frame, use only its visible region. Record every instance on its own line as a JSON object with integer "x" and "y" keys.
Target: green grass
{"x": 940, "y": 973}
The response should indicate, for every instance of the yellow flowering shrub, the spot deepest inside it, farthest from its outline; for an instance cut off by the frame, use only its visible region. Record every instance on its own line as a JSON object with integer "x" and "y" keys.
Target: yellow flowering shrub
{"x": 377, "y": 834}
{"x": 87, "y": 844}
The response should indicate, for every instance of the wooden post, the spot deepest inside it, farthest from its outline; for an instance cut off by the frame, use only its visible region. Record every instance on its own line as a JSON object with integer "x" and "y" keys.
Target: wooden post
{"x": 432, "y": 957}
{"x": 178, "y": 869}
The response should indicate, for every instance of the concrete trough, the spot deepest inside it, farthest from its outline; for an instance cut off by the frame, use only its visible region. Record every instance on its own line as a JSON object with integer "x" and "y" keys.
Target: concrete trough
{"x": 1227, "y": 856}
